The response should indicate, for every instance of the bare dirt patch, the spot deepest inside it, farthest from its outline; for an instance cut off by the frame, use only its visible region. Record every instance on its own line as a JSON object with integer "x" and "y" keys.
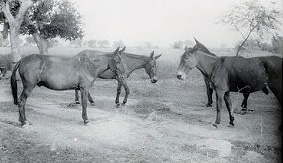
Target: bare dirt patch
{"x": 162, "y": 122}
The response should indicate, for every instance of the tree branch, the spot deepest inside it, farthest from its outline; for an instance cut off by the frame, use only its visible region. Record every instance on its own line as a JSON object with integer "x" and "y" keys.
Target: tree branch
{"x": 7, "y": 12}
{"x": 25, "y": 4}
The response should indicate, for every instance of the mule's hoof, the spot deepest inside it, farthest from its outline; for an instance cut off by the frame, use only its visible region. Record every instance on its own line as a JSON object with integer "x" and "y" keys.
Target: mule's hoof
{"x": 243, "y": 112}
{"x": 231, "y": 125}
{"x": 92, "y": 103}
{"x": 215, "y": 125}
{"x": 124, "y": 103}
{"x": 208, "y": 105}
{"x": 86, "y": 121}
{"x": 23, "y": 124}
{"x": 118, "y": 105}
{"x": 77, "y": 102}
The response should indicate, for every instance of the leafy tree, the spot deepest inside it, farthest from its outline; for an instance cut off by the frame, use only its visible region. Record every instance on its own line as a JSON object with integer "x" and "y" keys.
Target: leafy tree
{"x": 252, "y": 17}
{"x": 103, "y": 43}
{"x": 119, "y": 43}
{"x": 76, "y": 43}
{"x": 189, "y": 43}
{"x": 90, "y": 43}
{"x": 50, "y": 19}
{"x": 178, "y": 44}
{"x": 29, "y": 40}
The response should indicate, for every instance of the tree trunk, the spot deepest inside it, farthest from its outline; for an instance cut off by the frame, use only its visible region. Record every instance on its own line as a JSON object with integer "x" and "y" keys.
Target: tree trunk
{"x": 15, "y": 24}
{"x": 41, "y": 43}
{"x": 15, "y": 43}
{"x": 243, "y": 43}
{"x": 5, "y": 29}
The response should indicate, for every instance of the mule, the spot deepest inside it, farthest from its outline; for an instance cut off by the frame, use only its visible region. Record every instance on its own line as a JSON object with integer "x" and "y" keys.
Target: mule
{"x": 209, "y": 90}
{"x": 58, "y": 73}
{"x": 132, "y": 63}
{"x": 233, "y": 74}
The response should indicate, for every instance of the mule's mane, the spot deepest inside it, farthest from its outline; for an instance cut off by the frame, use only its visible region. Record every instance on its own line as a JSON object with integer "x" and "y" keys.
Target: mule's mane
{"x": 201, "y": 48}
{"x": 206, "y": 54}
{"x": 131, "y": 55}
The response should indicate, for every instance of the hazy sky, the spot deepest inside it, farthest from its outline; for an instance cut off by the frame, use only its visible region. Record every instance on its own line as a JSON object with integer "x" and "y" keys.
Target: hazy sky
{"x": 158, "y": 21}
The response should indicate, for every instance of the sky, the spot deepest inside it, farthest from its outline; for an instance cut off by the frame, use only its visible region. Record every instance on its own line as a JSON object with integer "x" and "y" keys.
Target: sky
{"x": 161, "y": 22}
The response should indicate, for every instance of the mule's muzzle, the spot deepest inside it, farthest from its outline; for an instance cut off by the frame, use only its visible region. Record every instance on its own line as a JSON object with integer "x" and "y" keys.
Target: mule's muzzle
{"x": 179, "y": 77}
{"x": 154, "y": 80}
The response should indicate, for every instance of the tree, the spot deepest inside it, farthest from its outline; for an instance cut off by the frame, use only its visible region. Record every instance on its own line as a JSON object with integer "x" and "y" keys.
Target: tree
{"x": 14, "y": 12}
{"x": 178, "y": 44}
{"x": 76, "y": 43}
{"x": 90, "y": 43}
{"x": 50, "y": 19}
{"x": 29, "y": 40}
{"x": 119, "y": 43}
{"x": 103, "y": 43}
{"x": 189, "y": 43}
{"x": 252, "y": 17}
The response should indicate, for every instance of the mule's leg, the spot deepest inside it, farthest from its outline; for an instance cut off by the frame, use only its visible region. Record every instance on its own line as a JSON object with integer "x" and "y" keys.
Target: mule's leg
{"x": 209, "y": 92}
{"x": 77, "y": 96}
{"x": 90, "y": 99}
{"x": 229, "y": 108}
{"x": 245, "y": 103}
{"x": 118, "y": 94}
{"x": 84, "y": 94}
{"x": 22, "y": 102}
{"x": 277, "y": 91}
{"x": 127, "y": 90}
{"x": 276, "y": 88}
{"x": 219, "y": 99}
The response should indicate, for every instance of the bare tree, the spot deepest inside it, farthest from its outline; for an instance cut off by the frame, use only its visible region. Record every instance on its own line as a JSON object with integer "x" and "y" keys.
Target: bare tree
{"x": 15, "y": 20}
{"x": 252, "y": 17}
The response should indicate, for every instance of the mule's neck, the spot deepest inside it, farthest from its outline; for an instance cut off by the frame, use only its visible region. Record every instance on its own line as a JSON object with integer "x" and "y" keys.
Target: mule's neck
{"x": 100, "y": 65}
{"x": 205, "y": 63}
{"x": 134, "y": 62}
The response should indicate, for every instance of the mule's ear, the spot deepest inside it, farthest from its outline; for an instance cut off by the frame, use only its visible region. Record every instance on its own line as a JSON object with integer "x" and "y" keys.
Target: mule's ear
{"x": 156, "y": 57}
{"x": 186, "y": 48}
{"x": 151, "y": 54}
{"x": 116, "y": 51}
{"x": 197, "y": 42}
{"x": 123, "y": 49}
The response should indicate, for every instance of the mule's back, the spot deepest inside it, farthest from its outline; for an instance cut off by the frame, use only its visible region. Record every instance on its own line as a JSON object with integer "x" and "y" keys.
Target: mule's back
{"x": 243, "y": 72}
{"x": 53, "y": 72}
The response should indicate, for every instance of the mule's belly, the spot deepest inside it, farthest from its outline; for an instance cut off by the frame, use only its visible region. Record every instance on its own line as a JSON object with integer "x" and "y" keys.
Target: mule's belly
{"x": 244, "y": 86}
{"x": 108, "y": 74}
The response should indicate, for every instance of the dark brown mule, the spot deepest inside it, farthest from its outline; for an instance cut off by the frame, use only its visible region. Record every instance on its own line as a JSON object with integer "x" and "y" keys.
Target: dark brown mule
{"x": 59, "y": 73}
{"x": 132, "y": 63}
{"x": 209, "y": 89}
{"x": 234, "y": 74}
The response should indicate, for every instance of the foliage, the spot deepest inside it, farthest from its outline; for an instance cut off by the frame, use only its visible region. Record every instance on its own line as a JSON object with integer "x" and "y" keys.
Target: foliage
{"x": 29, "y": 40}
{"x": 253, "y": 17}
{"x": 119, "y": 43}
{"x": 178, "y": 44}
{"x": 76, "y": 43}
{"x": 90, "y": 43}
{"x": 103, "y": 43}
{"x": 53, "y": 18}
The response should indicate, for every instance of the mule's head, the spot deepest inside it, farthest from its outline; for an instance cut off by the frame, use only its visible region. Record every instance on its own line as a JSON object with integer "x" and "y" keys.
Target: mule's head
{"x": 188, "y": 61}
{"x": 199, "y": 46}
{"x": 151, "y": 68}
{"x": 116, "y": 64}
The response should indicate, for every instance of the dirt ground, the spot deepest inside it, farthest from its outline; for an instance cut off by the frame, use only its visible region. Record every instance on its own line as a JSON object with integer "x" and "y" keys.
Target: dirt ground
{"x": 162, "y": 122}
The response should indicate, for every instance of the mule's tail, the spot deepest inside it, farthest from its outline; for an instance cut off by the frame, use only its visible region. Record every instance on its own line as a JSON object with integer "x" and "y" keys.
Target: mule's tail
{"x": 14, "y": 84}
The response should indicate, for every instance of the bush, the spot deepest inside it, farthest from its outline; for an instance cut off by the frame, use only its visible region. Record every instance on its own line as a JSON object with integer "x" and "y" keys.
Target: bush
{"x": 6, "y": 61}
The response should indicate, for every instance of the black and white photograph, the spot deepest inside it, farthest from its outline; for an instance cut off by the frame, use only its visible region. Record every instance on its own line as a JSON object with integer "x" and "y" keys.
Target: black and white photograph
{"x": 141, "y": 81}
